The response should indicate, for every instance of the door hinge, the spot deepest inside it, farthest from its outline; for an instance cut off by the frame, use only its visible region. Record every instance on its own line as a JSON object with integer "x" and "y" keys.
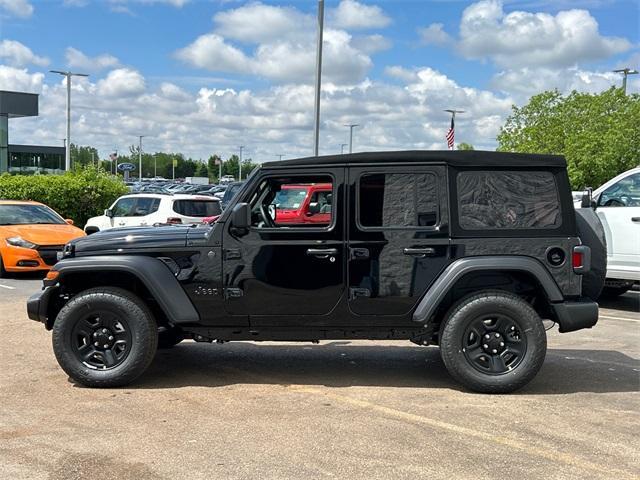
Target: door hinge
{"x": 359, "y": 292}
{"x": 233, "y": 293}
{"x": 358, "y": 253}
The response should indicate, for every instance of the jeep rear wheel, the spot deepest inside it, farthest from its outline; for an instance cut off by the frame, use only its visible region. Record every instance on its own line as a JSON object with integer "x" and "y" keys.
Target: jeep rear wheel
{"x": 493, "y": 342}
{"x": 104, "y": 337}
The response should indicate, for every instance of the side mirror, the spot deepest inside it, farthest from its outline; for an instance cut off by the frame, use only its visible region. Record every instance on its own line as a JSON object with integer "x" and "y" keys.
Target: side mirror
{"x": 69, "y": 221}
{"x": 108, "y": 213}
{"x": 314, "y": 208}
{"x": 587, "y": 199}
{"x": 241, "y": 216}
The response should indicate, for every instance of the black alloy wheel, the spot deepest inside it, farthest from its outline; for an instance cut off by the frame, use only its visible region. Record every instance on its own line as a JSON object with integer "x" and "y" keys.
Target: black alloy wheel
{"x": 101, "y": 340}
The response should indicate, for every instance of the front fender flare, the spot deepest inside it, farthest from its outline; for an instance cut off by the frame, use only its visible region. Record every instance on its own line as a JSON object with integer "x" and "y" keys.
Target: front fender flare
{"x": 153, "y": 274}
{"x": 454, "y": 272}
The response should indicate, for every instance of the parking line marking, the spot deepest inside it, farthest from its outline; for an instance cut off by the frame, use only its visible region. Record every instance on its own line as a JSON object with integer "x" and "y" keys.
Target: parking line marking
{"x": 609, "y": 317}
{"x": 7, "y": 287}
{"x": 548, "y": 454}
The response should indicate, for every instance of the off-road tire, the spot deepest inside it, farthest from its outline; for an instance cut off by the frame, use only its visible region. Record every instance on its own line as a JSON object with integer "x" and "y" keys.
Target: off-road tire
{"x": 169, "y": 337}
{"x": 125, "y": 305}
{"x": 468, "y": 310}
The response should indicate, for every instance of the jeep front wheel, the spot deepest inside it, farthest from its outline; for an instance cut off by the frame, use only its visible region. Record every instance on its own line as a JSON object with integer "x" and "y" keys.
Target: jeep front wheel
{"x": 493, "y": 342}
{"x": 104, "y": 337}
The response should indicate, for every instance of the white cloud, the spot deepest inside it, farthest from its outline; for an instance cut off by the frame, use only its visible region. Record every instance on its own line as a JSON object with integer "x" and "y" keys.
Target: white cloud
{"x": 259, "y": 23}
{"x": 121, "y": 83}
{"x": 18, "y": 55}
{"x": 371, "y": 44}
{"x": 20, "y": 80}
{"x": 352, "y": 15}
{"x": 520, "y": 39}
{"x": 434, "y": 34}
{"x": 77, "y": 59}
{"x": 211, "y": 52}
{"x": 18, "y": 8}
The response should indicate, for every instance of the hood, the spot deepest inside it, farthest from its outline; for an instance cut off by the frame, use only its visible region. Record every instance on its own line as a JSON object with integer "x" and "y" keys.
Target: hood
{"x": 49, "y": 234}
{"x": 119, "y": 239}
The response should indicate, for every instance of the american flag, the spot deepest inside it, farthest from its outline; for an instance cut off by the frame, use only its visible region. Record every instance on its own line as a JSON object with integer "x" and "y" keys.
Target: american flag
{"x": 451, "y": 135}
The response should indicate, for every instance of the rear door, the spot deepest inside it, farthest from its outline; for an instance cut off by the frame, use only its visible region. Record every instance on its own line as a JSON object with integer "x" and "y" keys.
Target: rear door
{"x": 398, "y": 239}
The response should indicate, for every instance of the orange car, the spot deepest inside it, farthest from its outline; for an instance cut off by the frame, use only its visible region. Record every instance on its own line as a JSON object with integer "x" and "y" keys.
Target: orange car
{"x": 31, "y": 235}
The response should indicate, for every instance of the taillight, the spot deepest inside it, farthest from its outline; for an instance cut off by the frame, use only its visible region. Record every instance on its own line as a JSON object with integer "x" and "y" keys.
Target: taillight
{"x": 581, "y": 259}
{"x": 174, "y": 220}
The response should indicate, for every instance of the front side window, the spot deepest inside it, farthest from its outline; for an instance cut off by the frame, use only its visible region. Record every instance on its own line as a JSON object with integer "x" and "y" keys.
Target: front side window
{"x": 507, "y": 200}
{"x": 623, "y": 193}
{"x": 124, "y": 207}
{"x": 291, "y": 202}
{"x": 397, "y": 200}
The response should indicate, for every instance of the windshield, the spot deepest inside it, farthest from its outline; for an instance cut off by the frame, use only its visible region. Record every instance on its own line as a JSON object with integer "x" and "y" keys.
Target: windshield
{"x": 290, "y": 198}
{"x": 28, "y": 215}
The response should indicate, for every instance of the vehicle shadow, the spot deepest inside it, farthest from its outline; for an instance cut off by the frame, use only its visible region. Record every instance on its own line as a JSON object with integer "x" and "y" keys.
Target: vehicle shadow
{"x": 629, "y": 302}
{"x": 341, "y": 364}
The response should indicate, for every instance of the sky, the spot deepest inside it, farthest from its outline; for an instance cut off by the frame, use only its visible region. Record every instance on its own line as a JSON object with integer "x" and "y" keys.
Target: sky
{"x": 206, "y": 76}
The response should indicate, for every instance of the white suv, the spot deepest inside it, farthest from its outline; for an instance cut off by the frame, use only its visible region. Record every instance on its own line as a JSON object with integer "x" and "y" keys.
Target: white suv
{"x": 148, "y": 209}
{"x": 618, "y": 206}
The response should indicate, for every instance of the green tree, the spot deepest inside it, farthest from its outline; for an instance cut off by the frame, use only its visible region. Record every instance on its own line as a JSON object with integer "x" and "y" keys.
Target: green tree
{"x": 213, "y": 166}
{"x": 597, "y": 133}
{"x": 465, "y": 146}
{"x": 201, "y": 170}
{"x": 83, "y": 155}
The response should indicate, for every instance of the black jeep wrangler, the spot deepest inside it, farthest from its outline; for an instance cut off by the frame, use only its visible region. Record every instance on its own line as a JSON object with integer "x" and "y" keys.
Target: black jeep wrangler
{"x": 465, "y": 250}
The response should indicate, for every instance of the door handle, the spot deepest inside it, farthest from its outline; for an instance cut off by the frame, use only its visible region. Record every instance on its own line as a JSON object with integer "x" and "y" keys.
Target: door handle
{"x": 322, "y": 252}
{"x": 420, "y": 252}
{"x": 635, "y": 219}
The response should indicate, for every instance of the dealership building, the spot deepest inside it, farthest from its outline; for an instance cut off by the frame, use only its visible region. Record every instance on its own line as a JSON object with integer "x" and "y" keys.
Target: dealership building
{"x": 25, "y": 159}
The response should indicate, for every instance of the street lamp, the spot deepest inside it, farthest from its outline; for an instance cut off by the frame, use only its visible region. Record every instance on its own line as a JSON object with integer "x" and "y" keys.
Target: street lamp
{"x": 140, "y": 137}
{"x": 316, "y": 127}
{"x": 240, "y": 164}
{"x": 67, "y": 150}
{"x": 351, "y": 127}
{"x": 626, "y": 72}
{"x": 342, "y": 145}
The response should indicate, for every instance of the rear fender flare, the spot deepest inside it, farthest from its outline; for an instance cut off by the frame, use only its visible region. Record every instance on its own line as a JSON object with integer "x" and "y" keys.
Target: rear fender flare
{"x": 454, "y": 272}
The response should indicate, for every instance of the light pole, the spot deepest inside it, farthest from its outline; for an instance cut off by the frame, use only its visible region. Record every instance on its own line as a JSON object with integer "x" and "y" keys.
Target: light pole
{"x": 351, "y": 127}
{"x": 240, "y": 164}
{"x": 155, "y": 165}
{"x": 451, "y": 133}
{"x": 342, "y": 145}
{"x": 316, "y": 126}
{"x": 140, "y": 137}
{"x": 67, "y": 150}
{"x": 280, "y": 155}
{"x": 626, "y": 72}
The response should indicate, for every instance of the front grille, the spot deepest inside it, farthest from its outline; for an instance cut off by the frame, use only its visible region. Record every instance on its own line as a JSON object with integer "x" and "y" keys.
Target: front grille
{"x": 49, "y": 253}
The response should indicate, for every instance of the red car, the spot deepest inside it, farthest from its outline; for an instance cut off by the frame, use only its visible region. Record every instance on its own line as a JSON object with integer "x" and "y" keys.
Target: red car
{"x": 304, "y": 204}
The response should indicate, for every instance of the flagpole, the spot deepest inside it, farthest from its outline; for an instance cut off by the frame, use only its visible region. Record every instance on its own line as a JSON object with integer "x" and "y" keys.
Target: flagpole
{"x": 450, "y": 137}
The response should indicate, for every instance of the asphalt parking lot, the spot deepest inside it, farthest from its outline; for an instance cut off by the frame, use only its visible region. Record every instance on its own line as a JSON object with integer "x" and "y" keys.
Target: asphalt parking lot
{"x": 347, "y": 409}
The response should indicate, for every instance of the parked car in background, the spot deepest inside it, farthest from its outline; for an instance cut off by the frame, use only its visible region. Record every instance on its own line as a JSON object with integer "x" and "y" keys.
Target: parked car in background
{"x": 227, "y": 179}
{"x": 617, "y": 203}
{"x": 229, "y": 193}
{"x": 31, "y": 235}
{"x": 149, "y": 209}
{"x": 302, "y": 204}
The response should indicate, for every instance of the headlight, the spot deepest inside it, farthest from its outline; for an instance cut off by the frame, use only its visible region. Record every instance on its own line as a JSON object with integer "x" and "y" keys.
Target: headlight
{"x": 20, "y": 242}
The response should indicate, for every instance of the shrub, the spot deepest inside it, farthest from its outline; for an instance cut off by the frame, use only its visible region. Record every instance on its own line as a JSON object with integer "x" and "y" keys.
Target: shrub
{"x": 79, "y": 194}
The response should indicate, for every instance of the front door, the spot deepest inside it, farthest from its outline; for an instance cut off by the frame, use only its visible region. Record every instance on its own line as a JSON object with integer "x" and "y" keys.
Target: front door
{"x": 398, "y": 239}
{"x": 286, "y": 274}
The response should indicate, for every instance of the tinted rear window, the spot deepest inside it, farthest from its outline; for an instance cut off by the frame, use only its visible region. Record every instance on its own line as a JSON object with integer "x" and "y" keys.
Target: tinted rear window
{"x": 508, "y": 200}
{"x": 197, "y": 208}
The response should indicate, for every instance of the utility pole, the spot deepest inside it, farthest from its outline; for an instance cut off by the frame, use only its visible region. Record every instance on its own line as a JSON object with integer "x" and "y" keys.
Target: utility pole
{"x": 220, "y": 170}
{"x": 342, "y": 145}
{"x": 451, "y": 133}
{"x": 626, "y": 72}
{"x": 240, "y": 164}
{"x": 67, "y": 149}
{"x": 280, "y": 155}
{"x": 114, "y": 162}
{"x": 351, "y": 127}
{"x": 140, "y": 137}
{"x": 155, "y": 165}
{"x": 316, "y": 127}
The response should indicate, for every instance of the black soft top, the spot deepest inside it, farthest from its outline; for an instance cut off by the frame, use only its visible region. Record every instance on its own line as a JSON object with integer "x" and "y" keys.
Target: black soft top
{"x": 456, "y": 158}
